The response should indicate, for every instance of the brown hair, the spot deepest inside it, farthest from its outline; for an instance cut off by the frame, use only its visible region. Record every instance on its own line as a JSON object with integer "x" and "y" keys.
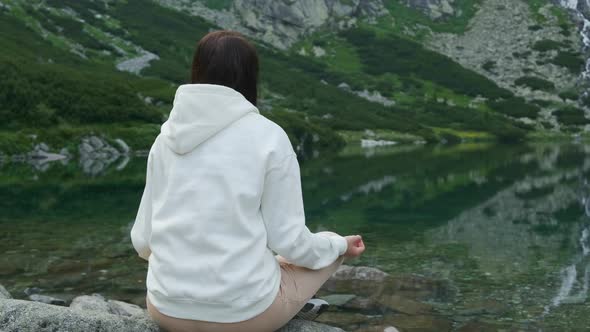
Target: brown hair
{"x": 227, "y": 58}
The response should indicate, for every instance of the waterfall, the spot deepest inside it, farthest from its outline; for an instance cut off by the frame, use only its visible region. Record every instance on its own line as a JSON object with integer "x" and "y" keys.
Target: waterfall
{"x": 573, "y": 290}
{"x": 582, "y": 10}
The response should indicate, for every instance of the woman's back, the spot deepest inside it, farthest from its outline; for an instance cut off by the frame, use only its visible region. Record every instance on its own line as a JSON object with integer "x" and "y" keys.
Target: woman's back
{"x": 222, "y": 196}
{"x": 207, "y": 173}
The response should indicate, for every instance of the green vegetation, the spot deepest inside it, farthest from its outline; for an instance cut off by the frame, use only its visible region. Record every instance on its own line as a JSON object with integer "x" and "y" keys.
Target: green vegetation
{"x": 218, "y": 4}
{"x": 406, "y": 16}
{"x": 535, "y": 83}
{"x": 30, "y": 95}
{"x": 515, "y": 107}
{"x": 306, "y": 135}
{"x": 571, "y": 116}
{"x": 569, "y": 95}
{"x": 409, "y": 58}
{"x": 570, "y": 60}
{"x": 49, "y": 82}
{"x": 547, "y": 45}
{"x": 489, "y": 65}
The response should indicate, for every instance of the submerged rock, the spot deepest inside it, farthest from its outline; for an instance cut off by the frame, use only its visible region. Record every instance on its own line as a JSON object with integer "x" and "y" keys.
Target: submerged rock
{"x": 346, "y": 272}
{"x": 4, "y": 294}
{"x": 47, "y": 299}
{"x": 405, "y": 305}
{"x": 89, "y": 315}
{"x": 338, "y": 300}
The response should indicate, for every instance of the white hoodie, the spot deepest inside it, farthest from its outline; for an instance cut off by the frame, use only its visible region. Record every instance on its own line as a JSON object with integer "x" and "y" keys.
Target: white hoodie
{"x": 223, "y": 191}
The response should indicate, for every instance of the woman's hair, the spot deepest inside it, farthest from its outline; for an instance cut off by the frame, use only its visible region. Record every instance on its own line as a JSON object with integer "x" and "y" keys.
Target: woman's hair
{"x": 227, "y": 58}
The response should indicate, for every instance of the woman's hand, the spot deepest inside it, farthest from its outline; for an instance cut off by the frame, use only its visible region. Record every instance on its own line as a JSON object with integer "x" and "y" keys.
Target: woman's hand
{"x": 355, "y": 246}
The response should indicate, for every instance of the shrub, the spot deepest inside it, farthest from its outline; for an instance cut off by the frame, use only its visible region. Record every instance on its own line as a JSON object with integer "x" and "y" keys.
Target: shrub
{"x": 535, "y": 83}
{"x": 535, "y": 27}
{"x": 571, "y": 116}
{"x": 515, "y": 107}
{"x": 571, "y": 95}
{"x": 41, "y": 95}
{"x": 547, "y": 45}
{"x": 489, "y": 65}
{"x": 569, "y": 60}
{"x": 404, "y": 57}
{"x": 541, "y": 102}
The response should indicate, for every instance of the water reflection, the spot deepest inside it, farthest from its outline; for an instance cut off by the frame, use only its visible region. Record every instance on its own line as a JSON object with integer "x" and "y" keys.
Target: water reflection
{"x": 575, "y": 278}
{"x": 473, "y": 236}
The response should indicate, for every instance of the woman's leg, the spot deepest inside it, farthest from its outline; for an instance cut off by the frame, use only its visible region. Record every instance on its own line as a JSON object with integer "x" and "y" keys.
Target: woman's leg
{"x": 298, "y": 285}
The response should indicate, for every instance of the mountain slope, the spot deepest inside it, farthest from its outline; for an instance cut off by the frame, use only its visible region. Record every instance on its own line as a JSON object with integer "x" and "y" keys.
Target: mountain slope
{"x": 79, "y": 66}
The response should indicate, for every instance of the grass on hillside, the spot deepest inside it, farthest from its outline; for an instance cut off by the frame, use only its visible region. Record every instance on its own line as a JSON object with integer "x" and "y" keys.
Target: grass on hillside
{"x": 404, "y": 16}
{"x": 55, "y": 87}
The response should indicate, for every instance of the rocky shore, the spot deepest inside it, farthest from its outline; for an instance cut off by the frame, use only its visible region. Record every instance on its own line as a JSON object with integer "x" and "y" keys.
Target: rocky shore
{"x": 362, "y": 299}
{"x": 95, "y": 313}
{"x": 95, "y": 155}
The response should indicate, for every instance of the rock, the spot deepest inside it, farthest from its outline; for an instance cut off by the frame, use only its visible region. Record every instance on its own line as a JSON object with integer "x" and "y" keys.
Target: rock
{"x": 379, "y": 328}
{"x": 96, "y": 142}
{"x": 32, "y": 290}
{"x": 137, "y": 64}
{"x": 96, "y": 154}
{"x": 345, "y": 319}
{"x": 421, "y": 288}
{"x": 499, "y": 34}
{"x": 47, "y": 299}
{"x": 124, "y": 148}
{"x": 41, "y": 147}
{"x": 298, "y": 325}
{"x": 477, "y": 326}
{"x": 390, "y": 329}
{"x": 26, "y": 316}
{"x": 346, "y": 272}
{"x": 371, "y": 143}
{"x": 436, "y": 9}
{"x": 85, "y": 148}
{"x": 93, "y": 302}
{"x": 282, "y": 23}
{"x": 126, "y": 309}
{"x": 4, "y": 294}
{"x": 361, "y": 303}
{"x": 404, "y": 305}
{"x": 338, "y": 299}
{"x": 421, "y": 323}
{"x": 64, "y": 152}
{"x": 484, "y": 307}
{"x": 98, "y": 303}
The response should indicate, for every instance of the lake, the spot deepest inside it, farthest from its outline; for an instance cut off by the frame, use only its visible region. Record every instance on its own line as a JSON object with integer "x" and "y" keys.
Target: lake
{"x": 475, "y": 237}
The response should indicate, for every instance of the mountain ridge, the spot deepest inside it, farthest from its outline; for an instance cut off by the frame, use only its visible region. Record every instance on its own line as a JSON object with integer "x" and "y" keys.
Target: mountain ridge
{"x": 375, "y": 71}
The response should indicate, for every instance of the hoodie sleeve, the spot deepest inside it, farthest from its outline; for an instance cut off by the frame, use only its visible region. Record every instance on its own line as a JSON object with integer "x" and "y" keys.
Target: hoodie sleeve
{"x": 283, "y": 214}
{"x": 142, "y": 228}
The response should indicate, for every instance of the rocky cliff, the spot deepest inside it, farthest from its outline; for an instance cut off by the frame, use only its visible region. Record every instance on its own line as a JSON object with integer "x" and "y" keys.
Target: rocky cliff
{"x": 282, "y": 23}
{"x": 535, "y": 50}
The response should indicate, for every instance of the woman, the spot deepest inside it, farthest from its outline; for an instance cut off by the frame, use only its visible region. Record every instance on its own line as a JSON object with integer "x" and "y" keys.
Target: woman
{"x": 223, "y": 192}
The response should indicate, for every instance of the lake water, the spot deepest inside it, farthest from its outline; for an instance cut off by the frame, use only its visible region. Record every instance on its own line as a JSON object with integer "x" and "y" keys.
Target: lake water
{"x": 475, "y": 237}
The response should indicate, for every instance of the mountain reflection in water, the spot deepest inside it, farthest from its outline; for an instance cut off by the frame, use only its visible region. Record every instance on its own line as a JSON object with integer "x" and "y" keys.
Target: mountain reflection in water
{"x": 472, "y": 236}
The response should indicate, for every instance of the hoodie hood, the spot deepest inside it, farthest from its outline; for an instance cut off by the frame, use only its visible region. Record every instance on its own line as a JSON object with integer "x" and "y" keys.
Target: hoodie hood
{"x": 200, "y": 111}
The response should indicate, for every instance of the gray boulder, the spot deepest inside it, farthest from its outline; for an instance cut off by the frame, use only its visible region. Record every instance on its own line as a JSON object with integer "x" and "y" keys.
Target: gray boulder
{"x": 97, "y": 302}
{"x": 27, "y": 316}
